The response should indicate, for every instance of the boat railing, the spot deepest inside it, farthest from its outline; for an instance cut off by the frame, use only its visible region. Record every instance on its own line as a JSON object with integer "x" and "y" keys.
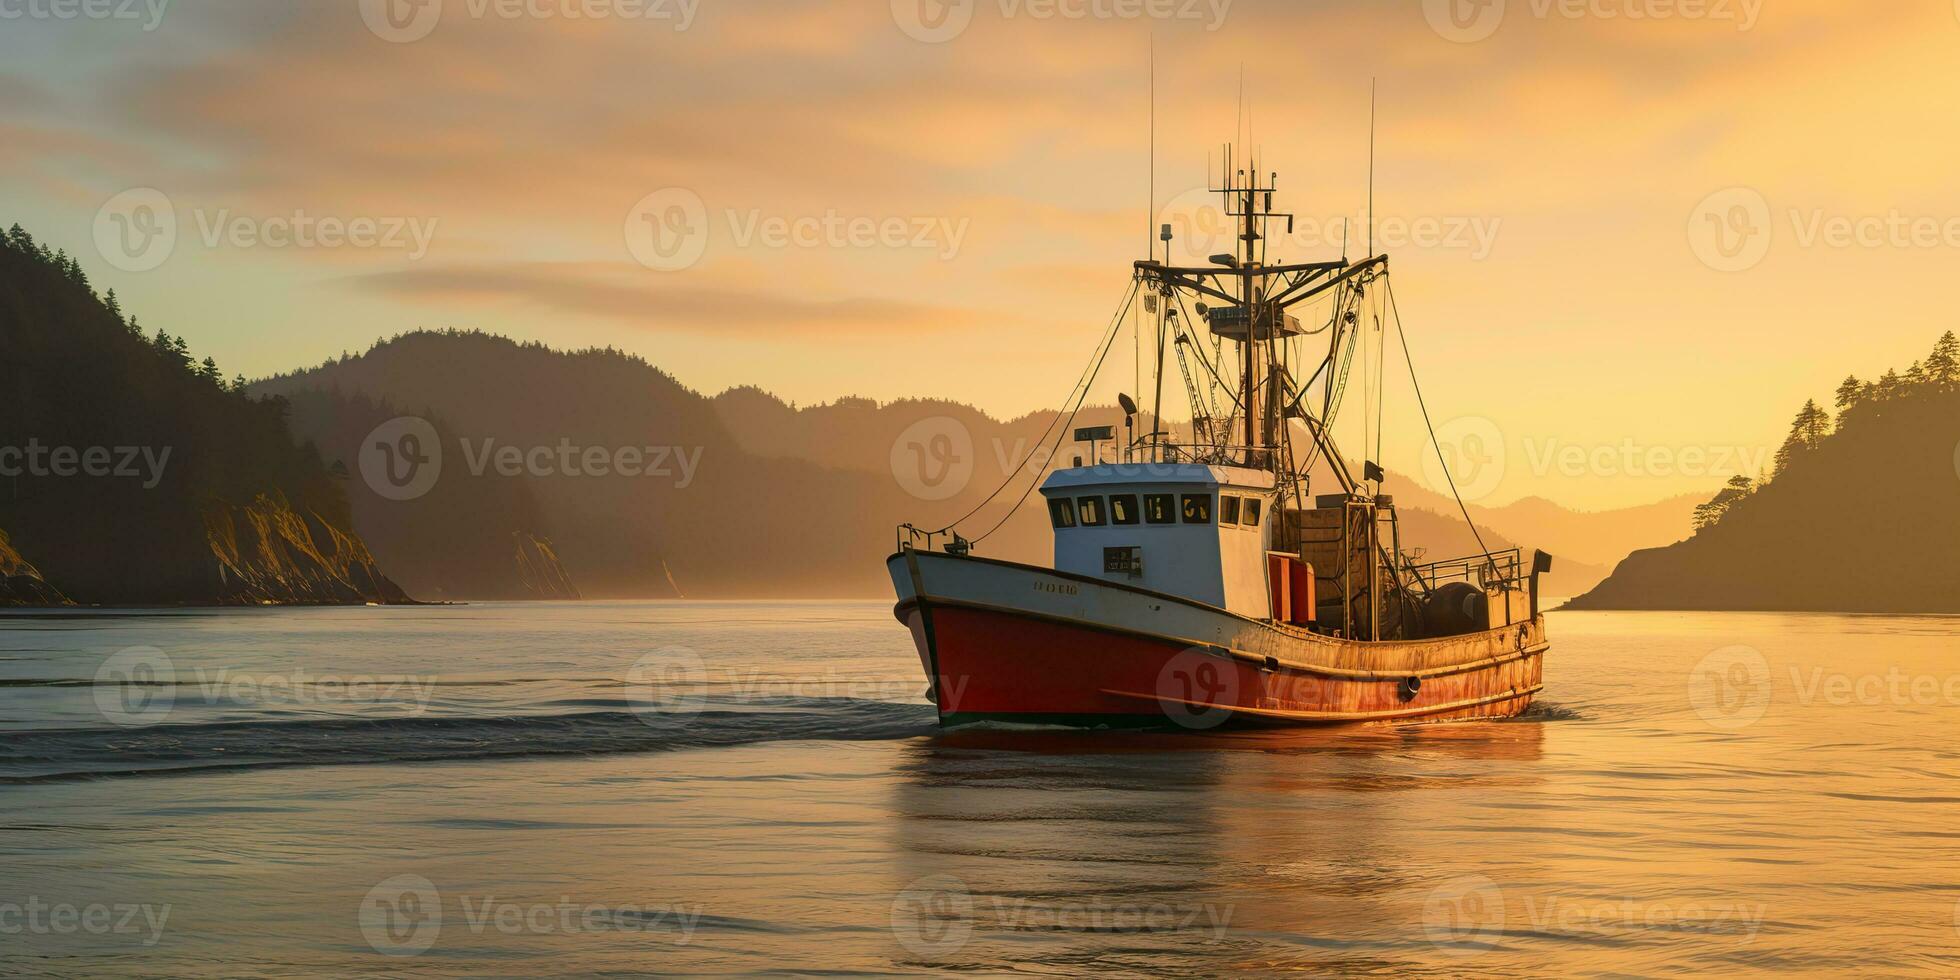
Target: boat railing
{"x": 910, "y": 537}
{"x": 1498, "y": 568}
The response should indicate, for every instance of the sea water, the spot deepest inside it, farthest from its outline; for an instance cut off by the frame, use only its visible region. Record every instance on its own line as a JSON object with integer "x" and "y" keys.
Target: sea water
{"x": 739, "y": 788}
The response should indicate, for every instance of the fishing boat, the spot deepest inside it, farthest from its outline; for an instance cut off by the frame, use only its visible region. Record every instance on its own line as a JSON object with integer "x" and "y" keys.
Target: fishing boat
{"x": 1198, "y": 578}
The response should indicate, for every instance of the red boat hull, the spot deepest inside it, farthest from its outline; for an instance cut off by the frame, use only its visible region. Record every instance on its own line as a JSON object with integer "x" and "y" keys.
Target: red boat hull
{"x": 990, "y": 663}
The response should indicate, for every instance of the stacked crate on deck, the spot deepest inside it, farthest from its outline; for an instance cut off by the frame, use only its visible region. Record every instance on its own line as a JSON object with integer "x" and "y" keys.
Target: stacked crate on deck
{"x": 1344, "y": 538}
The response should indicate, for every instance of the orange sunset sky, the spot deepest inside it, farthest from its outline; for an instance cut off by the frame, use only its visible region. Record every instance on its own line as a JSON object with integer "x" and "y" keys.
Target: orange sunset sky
{"x": 1655, "y": 224}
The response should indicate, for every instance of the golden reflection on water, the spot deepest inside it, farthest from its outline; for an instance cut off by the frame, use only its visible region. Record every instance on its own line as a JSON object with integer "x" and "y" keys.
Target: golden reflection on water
{"x": 1675, "y": 805}
{"x": 1303, "y": 839}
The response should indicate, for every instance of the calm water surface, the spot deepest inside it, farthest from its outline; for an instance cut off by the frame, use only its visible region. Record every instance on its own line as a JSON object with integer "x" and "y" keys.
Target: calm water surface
{"x": 722, "y": 788}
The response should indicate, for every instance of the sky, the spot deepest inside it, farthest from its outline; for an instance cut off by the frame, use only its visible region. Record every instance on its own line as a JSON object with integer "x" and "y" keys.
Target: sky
{"x": 1628, "y": 237}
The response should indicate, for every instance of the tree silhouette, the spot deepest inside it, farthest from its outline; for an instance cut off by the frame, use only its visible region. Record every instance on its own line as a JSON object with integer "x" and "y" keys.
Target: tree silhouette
{"x": 1812, "y": 425}
{"x": 1710, "y": 514}
{"x": 75, "y": 372}
{"x": 1859, "y": 404}
{"x": 1849, "y": 393}
{"x": 1815, "y": 424}
{"x": 1943, "y": 365}
{"x": 1889, "y": 385}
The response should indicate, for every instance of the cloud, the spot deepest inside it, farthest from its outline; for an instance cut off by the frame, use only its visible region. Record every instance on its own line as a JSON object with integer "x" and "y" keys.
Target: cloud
{"x": 657, "y": 301}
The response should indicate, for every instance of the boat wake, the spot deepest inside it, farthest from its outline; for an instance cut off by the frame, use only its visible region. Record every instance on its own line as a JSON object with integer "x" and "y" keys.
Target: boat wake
{"x": 34, "y": 756}
{"x": 1549, "y": 711}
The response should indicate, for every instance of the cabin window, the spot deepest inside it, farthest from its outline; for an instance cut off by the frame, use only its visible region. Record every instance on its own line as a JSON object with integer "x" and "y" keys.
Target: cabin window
{"x": 1159, "y": 508}
{"x": 1091, "y": 509}
{"x": 1061, "y": 510}
{"x": 1250, "y": 515}
{"x": 1197, "y": 508}
{"x": 1228, "y": 510}
{"x": 1123, "y": 508}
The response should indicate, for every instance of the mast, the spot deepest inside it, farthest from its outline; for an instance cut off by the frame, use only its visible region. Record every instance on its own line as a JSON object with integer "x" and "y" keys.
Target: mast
{"x": 1247, "y": 199}
{"x": 1251, "y": 346}
{"x": 1248, "y": 302}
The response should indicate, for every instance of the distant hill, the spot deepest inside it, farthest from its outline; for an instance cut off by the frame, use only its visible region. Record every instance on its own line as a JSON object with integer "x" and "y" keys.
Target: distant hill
{"x": 716, "y": 521}
{"x": 130, "y": 475}
{"x": 780, "y": 501}
{"x": 1860, "y": 516}
{"x": 858, "y": 433}
{"x": 1593, "y": 537}
{"x": 460, "y": 540}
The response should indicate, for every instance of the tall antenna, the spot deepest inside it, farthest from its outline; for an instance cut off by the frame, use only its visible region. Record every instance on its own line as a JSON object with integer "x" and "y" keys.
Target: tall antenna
{"x": 1371, "y": 168}
{"x": 1238, "y": 128}
{"x": 1150, "y": 213}
{"x": 1149, "y": 226}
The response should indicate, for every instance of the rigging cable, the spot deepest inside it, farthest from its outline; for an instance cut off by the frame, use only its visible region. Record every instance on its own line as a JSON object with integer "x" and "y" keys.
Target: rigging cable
{"x": 1231, "y": 391}
{"x": 1083, "y": 383}
{"x": 1080, "y": 394}
{"x": 1396, "y": 313}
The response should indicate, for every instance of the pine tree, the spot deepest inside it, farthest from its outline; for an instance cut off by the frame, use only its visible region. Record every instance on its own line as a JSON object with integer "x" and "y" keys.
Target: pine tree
{"x": 1943, "y": 365}
{"x": 1711, "y": 513}
{"x": 1888, "y": 386}
{"x": 209, "y": 372}
{"x": 1786, "y": 454}
{"x": 1915, "y": 376}
{"x": 1811, "y": 424}
{"x": 114, "y": 308}
{"x": 1849, "y": 393}
{"x": 1814, "y": 424}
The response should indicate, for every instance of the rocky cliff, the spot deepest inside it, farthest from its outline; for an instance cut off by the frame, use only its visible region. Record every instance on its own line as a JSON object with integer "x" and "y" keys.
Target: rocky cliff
{"x": 266, "y": 553}
{"x": 21, "y": 583}
{"x": 132, "y": 474}
{"x": 538, "y": 568}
